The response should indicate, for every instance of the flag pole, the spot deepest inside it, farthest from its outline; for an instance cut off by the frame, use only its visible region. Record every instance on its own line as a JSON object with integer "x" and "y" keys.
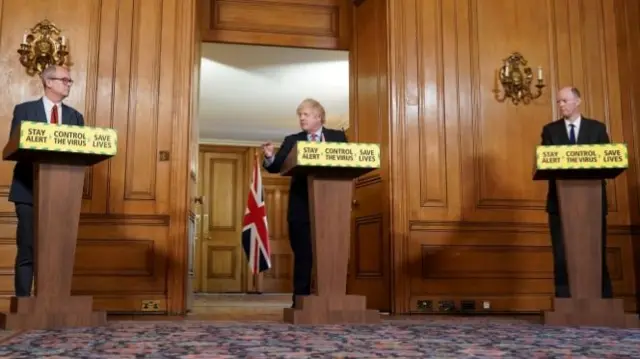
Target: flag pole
{"x": 254, "y": 276}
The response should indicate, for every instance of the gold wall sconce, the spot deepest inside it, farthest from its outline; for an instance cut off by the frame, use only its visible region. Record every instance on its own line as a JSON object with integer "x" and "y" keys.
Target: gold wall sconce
{"x": 43, "y": 46}
{"x": 516, "y": 79}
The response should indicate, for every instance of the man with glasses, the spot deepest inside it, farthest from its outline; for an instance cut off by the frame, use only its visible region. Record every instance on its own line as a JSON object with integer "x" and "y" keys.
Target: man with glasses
{"x": 50, "y": 109}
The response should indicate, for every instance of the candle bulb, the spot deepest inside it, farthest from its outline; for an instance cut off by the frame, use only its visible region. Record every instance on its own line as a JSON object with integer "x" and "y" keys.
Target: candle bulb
{"x": 24, "y": 38}
{"x": 63, "y": 40}
{"x": 497, "y": 84}
{"x": 539, "y": 73}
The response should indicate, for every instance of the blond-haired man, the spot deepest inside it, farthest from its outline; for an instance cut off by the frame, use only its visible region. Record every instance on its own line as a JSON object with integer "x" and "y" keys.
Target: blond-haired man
{"x": 312, "y": 116}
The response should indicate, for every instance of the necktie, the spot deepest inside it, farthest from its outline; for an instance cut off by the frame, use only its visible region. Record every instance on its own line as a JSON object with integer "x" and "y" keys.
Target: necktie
{"x": 572, "y": 134}
{"x": 54, "y": 115}
{"x": 314, "y": 137}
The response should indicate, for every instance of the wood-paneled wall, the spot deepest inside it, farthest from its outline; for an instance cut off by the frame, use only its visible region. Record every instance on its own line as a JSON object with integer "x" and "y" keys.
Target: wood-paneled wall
{"x": 133, "y": 67}
{"x": 319, "y": 24}
{"x": 627, "y": 20}
{"x": 467, "y": 220}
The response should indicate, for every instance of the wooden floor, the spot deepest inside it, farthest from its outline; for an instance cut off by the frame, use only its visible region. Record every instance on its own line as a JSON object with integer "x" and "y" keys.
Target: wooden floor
{"x": 265, "y": 307}
{"x": 242, "y": 307}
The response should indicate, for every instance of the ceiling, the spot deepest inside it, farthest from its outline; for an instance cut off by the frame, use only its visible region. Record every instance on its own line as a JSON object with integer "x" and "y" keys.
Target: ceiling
{"x": 249, "y": 94}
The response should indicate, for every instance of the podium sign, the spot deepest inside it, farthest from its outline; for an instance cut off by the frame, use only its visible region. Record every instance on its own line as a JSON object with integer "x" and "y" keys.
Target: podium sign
{"x": 582, "y": 156}
{"x": 581, "y": 161}
{"x": 41, "y": 142}
{"x": 61, "y": 154}
{"x": 579, "y": 172}
{"x": 66, "y": 138}
{"x": 338, "y": 154}
{"x": 339, "y": 159}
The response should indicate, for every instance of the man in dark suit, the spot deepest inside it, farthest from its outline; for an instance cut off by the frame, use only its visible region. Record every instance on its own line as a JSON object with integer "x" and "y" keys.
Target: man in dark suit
{"x": 572, "y": 128}
{"x": 312, "y": 118}
{"x": 50, "y": 109}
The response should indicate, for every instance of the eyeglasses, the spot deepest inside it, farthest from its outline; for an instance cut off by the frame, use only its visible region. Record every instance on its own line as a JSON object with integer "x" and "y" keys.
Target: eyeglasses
{"x": 65, "y": 80}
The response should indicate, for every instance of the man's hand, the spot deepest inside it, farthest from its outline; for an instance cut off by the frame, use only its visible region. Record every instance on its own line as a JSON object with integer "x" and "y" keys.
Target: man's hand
{"x": 268, "y": 149}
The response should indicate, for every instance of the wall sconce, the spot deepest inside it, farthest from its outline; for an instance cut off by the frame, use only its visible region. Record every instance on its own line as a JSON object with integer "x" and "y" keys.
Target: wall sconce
{"x": 43, "y": 46}
{"x": 516, "y": 78}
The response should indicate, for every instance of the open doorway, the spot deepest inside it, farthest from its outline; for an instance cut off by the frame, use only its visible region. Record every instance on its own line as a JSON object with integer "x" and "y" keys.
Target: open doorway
{"x": 248, "y": 95}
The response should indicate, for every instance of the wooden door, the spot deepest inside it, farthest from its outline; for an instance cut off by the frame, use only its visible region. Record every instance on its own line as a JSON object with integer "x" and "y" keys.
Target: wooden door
{"x": 278, "y": 279}
{"x": 224, "y": 186}
{"x": 370, "y": 255}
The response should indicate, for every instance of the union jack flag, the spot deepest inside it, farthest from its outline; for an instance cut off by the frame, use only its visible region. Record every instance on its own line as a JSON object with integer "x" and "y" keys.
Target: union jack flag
{"x": 255, "y": 233}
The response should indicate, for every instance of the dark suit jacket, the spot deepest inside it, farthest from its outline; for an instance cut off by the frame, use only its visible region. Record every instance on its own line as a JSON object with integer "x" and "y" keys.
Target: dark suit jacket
{"x": 22, "y": 185}
{"x": 298, "y": 192}
{"x": 555, "y": 133}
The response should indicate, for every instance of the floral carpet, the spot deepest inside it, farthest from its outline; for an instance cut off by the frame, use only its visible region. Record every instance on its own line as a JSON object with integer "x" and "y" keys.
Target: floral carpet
{"x": 392, "y": 339}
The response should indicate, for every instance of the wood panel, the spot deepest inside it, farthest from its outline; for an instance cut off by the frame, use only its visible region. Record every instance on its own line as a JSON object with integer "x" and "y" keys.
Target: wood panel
{"x": 510, "y": 266}
{"x": 133, "y": 228}
{"x": 370, "y": 254}
{"x": 320, "y": 24}
{"x": 627, "y": 17}
{"x": 468, "y": 221}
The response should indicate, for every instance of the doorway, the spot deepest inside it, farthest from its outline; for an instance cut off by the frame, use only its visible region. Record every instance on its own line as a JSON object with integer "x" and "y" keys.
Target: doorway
{"x": 248, "y": 95}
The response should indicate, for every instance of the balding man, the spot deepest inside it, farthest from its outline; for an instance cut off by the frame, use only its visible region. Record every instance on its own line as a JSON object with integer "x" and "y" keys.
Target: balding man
{"x": 312, "y": 116}
{"x": 573, "y": 129}
{"x": 49, "y": 109}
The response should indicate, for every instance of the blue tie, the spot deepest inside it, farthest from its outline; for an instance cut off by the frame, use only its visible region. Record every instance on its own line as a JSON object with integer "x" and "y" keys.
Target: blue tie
{"x": 572, "y": 134}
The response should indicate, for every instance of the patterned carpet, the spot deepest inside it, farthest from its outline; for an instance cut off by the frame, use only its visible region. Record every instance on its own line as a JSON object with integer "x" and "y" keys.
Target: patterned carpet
{"x": 463, "y": 338}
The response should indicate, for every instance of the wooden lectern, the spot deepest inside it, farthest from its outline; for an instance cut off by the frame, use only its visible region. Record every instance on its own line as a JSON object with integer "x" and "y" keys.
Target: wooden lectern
{"x": 330, "y": 196}
{"x": 579, "y": 193}
{"x": 58, "y": 185}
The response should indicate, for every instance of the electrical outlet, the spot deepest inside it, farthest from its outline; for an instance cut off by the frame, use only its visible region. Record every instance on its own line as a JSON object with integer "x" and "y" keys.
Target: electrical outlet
{"x": 425, "y": 305}
{"x": 468, "y": 305}
{"x": 150, "y": 306}
{"x": 486, "y": 305}
{"x": 446, "y": 306}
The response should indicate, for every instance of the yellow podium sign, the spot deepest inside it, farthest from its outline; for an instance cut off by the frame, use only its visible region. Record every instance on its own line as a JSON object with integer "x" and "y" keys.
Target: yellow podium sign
{"x": 66, "y": 138}
{"x": 567, "y": 157}
{"x": 338, "y": 154}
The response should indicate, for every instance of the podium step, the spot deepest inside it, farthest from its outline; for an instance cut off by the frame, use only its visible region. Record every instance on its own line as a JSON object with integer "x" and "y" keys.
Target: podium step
{"x": 51, "y": 313}
{"x": 36, "y": 320}
{"x": 345, "y": 309}
{"x": 596, "y": 312}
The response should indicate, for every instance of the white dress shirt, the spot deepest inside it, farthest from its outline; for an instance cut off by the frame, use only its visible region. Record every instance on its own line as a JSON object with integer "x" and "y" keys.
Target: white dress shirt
{"x": 48, "y": 105}
{"x": 576, "y": 127}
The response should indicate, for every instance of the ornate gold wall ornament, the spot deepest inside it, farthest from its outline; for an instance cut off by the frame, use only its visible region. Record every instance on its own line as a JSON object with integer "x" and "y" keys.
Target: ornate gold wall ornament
{"x": 516, "y": 78}
{"x": 43, "y": 46}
